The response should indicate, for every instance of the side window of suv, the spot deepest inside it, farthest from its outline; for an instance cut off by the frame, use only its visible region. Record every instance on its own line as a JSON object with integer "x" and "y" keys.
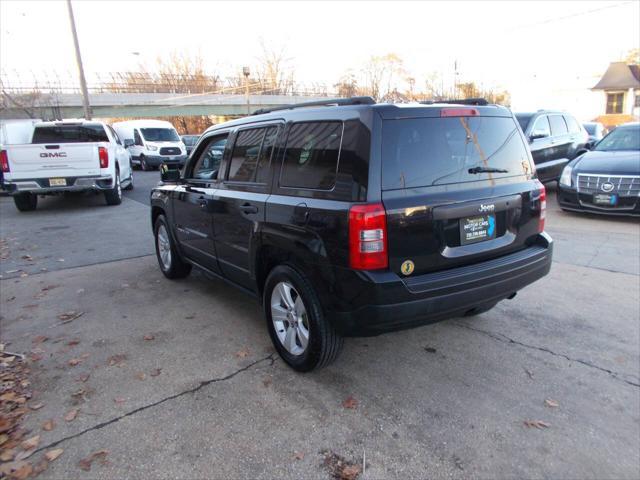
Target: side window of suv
{"x": 573, "y": 125}
{"x": 311, "y": 155}
{"x": 208, "y": 163}
{"x": 136, "y": 137}
{"x": 558, "y": 127}
{"x": 541, "y": 127}
{"x": 251, "y": 156}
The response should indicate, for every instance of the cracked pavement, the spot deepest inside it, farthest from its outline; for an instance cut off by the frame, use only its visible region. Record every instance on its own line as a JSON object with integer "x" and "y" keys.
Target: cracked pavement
{"x": 445, "y": 401}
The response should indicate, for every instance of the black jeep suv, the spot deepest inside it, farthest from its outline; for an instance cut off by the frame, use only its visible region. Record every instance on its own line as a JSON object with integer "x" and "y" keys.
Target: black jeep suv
{"x": 555, "y": 138}
{"x": 352, "y": 218}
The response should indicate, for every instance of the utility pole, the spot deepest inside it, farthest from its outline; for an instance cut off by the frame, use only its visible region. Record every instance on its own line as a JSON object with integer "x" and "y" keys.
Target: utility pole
{"x": 246, "y": 72}
{"x": 83, "y": 82}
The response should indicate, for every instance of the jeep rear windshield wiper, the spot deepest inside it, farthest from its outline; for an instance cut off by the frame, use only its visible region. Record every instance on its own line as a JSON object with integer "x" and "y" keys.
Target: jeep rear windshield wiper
{"x": 487, "y": 170}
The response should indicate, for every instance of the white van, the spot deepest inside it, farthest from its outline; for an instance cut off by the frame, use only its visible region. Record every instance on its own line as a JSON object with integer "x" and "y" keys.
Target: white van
{"x": 152, "y": 143}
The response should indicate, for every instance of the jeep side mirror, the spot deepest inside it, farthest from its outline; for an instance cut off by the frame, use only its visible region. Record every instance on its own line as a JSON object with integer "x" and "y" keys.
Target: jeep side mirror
{"x": 128, "y": 142}
{"x": 169, "y": 175}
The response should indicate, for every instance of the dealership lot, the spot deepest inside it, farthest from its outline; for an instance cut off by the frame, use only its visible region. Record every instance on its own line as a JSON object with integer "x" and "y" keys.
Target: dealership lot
{"x": 183, "y": 379}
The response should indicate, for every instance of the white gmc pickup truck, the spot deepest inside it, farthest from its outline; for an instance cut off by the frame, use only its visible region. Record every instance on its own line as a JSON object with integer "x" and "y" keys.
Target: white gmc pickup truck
{"x": 66, "y": 156}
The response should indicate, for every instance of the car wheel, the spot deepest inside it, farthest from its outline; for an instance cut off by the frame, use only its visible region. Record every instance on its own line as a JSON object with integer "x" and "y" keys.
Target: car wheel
{"x": 143, "y": 164}
{"x": 130, "y": 186}
{"x": 114, "y": 195}
{"x": 26, "y": 202}
{"x": 300, "y": 332}
{"x": 169, "y": 259}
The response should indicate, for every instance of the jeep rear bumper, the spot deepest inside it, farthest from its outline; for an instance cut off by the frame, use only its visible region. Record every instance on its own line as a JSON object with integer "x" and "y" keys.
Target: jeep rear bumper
{"x": 396, "y": 304}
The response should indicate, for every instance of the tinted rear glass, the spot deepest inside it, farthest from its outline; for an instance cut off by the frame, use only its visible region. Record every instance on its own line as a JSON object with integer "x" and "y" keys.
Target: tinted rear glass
{"x": 438, "y": 151}
{"x": 70, "y": 134}
{"x": 311, "y": 155}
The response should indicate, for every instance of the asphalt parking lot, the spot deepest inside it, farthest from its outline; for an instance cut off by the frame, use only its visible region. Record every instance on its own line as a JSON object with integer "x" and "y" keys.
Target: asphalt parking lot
{"x": 183, "y": 381}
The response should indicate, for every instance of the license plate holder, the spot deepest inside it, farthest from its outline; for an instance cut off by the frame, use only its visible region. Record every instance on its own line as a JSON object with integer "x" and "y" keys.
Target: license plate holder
{"x": 57, "y": 182}
{"x": 478, "y": 228}
{"x": 605, "y": 199}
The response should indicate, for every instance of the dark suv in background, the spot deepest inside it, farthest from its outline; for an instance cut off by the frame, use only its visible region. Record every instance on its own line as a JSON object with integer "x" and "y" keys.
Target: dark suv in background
{"x": 355, "y": 218}
{"x": 555, "y": 138}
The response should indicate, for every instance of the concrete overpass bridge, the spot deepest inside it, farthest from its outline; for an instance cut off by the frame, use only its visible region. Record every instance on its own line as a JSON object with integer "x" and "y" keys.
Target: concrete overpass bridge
{"x": 124, "y": 105}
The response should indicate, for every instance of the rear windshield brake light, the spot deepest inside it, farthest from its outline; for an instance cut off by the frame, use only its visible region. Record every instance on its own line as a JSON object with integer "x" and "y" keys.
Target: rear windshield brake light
{"x": 459, "y": 112}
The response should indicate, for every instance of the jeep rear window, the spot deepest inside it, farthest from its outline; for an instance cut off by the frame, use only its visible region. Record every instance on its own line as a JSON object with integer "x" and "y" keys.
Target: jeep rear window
{"x": 421, "y": 152}
{"x": 69, "y": 134}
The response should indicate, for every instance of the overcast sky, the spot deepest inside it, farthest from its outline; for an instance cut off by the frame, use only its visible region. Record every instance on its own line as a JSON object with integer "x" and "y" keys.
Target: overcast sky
{"x": 521, "y": 46}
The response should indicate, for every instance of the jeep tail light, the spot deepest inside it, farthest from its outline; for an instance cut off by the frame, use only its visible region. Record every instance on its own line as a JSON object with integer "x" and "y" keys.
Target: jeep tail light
{"x": 459, "y": 112}
{"x": 4, "y": 161}
{"x": 368, "y": 237}
{"x": 542, "y": 197}
{"x": 103, "y": 155}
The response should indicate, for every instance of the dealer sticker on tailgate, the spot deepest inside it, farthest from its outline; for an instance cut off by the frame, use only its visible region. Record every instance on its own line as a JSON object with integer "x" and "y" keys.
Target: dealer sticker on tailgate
{"x": 476, "y": 229}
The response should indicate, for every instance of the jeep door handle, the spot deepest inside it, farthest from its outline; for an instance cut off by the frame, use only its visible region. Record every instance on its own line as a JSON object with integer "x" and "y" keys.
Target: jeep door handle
{"x": 248, "y": 208}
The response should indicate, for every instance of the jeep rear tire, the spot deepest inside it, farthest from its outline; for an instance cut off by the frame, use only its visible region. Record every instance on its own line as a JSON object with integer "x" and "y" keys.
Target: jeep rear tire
{"x": 26, "y": 202}
{"x": 300, "y": 332}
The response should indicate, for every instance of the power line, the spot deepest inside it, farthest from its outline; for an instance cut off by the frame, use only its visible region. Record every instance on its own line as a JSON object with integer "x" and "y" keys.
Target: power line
{"x": 565, "y": 17}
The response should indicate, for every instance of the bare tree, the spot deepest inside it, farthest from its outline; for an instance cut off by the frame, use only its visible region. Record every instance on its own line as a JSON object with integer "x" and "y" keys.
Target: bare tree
{"x": 380, "y": 74}
{"x": 347, "y": 86}
{"x": 274, "y": 74}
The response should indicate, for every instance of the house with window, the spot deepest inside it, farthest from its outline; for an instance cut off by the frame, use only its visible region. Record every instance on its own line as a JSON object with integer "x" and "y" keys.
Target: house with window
{"x": 621, "y": 87}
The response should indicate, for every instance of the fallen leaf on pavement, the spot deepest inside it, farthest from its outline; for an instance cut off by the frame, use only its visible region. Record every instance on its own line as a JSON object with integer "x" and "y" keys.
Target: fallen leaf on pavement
{"x": 74, "y": 361}
{"x": 116, "y": 360}
{"x": 35, "y": 357}
{"x": 27, "y": 257}
{"x": 51, "y": 455}
{"x": 71, "y": 415}
{"x": 18, "y": 470}
{"x": 155, "y": 372}
{"x": 7, "y": 455}
{"x": 119, "y": 400}
{"x": 24, "y": 274}
{"x": 36, "y": 406}
{"x": 149, "y": 337}
{"x": 551, "y": 403}
{"x": 242, "y": 353}
{"x": 48, "y": 425}
{"x": 31, "y": 443}
{"x": 536, "y": 423}
{"x": 85, "y": 463}
{"x": 350, "y": 402}
{"x": 69, "y": 316}
{"x": 83, "y": 378}
{"x": 39, "y": 339}
{"x": 141, "y": 375}
{"x": 298, "y": 455}
{"x": 340, "y": 468}
{"x": 267, "y": 381}
{"x": 73, "y": 343}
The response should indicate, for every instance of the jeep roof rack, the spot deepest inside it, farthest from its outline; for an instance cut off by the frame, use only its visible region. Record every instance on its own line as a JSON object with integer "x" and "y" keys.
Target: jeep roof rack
{"x": 320, "y": 103}
{"x": 464, "y": 101}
